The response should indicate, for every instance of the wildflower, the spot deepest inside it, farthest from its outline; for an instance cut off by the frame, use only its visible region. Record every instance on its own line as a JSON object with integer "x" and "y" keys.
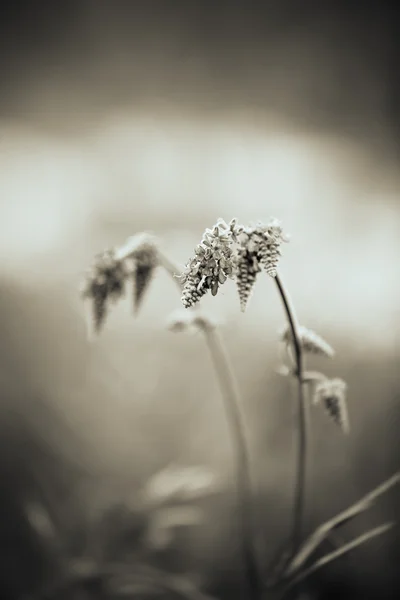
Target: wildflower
{"x": 104, "y": 283}
{"x": 310, "y": 341}
{"x": 332, "y": 392}
{"x": 209, "y": 268}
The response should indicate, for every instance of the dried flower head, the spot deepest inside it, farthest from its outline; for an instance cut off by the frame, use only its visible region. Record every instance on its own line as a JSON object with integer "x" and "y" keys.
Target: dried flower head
{"x": 210, "y": 266}
{"x": 332, "y": 392}
{"x": 310, "y": 341}
{"x": 104, "y": 283}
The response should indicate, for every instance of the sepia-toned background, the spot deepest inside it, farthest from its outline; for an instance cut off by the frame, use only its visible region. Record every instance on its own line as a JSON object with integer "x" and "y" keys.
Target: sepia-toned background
{"x": 118, "y": 117}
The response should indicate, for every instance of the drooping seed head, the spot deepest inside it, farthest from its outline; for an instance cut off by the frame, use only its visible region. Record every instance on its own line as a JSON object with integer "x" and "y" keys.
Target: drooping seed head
{"x": 247, "y": 269}
{"x": 263, "y": 242}
{"x": 310, "y": 341}
{"x": 104, "y": 283}
{"x": 332, "y": 393}
{"x": 232, "y": 251}
{"x": 140, "y": 251}
{"x": 145, "y": 263}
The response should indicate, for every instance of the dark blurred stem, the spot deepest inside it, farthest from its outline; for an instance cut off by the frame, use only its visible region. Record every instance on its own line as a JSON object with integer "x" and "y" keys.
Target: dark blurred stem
{"x": 303, "y": 419}
{"x": 235, "y": 419}
{"x": 232, "y": 400}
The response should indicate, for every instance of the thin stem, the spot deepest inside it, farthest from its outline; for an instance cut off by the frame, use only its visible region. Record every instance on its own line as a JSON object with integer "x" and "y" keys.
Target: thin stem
{"x": 236, "y": 425}
{"x": 345, "y": 549}
{"x": 298, "y": 510}
{"x": 231, "y": 397}
{"x": 324, "y": 530}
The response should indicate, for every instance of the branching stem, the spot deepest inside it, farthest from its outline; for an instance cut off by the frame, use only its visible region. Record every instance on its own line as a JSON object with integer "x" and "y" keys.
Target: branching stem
{"x": 235, "y": 420}
{"x": 301, "y": 469}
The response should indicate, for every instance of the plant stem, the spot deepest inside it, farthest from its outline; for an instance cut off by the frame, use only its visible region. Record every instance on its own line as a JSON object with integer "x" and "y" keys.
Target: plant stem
{"x": 236, "y": 425}
{"x": 345, "y": 549}
{"x": 171, "y": 268}
{"x": 303, "y": 419}
{"x": 235, "y": 419}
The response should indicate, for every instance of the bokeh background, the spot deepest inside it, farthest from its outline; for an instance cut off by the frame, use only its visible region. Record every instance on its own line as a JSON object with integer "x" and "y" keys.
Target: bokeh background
{"x": 118, "y": 117}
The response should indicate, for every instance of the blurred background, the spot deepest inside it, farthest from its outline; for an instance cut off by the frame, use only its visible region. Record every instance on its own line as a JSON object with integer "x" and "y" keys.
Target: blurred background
{"x": 118, "y": 117}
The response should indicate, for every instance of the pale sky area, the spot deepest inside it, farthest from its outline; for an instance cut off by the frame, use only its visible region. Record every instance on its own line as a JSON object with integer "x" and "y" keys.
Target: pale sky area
{"x": 177, "y": 175}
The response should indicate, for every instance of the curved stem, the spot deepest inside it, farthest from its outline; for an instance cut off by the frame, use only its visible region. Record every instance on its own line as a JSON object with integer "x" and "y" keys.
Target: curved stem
{"x": 298, "y": 511}
{"x": 345, "y": 549}
{"x": 236, "y": 425}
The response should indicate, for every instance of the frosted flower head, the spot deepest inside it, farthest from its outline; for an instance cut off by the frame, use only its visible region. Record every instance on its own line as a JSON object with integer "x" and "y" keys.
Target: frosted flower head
{"x": 233, "y": 228}
{"x": 210, "y": 266}
{"x": 332, "y": 393}
{"x": 232, "y": 251}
